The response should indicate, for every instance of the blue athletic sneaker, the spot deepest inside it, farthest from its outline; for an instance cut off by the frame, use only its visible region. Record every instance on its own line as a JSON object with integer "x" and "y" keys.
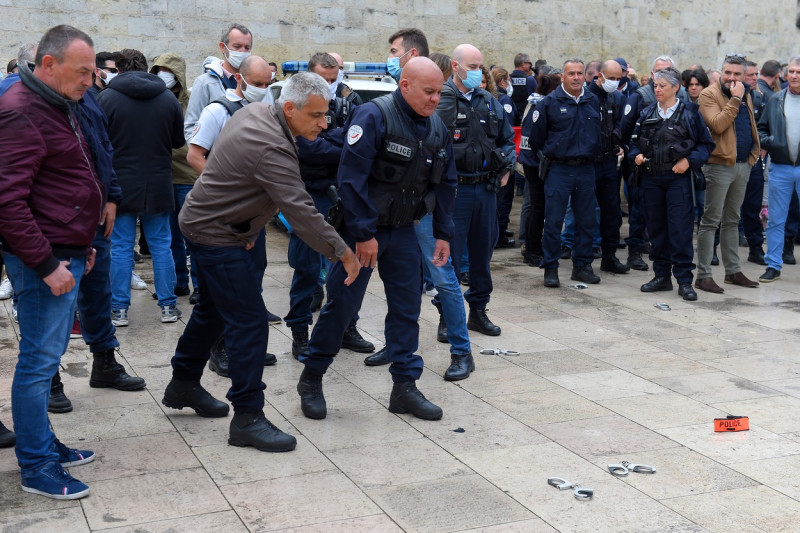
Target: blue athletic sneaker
{"x": 72, "y": 457}
{"x": 52, "y": 481}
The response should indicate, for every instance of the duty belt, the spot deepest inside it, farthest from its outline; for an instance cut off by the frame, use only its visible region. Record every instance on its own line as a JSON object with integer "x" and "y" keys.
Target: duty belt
{"x": 472, "y": 180}
{"x": 656, "y": 169}
{"x": 577, "y": 162}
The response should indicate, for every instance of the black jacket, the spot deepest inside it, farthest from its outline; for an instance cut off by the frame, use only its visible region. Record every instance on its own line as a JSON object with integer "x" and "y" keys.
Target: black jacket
{"x": 145, "y": 123}
{"x": 772, "y": 130}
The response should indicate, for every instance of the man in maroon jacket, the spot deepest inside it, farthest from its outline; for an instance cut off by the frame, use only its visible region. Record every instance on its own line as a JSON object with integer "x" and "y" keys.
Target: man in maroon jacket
{"x": 52, "y": 203}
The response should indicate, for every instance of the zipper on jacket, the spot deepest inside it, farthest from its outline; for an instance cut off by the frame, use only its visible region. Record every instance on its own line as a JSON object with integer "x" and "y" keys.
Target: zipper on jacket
{"x": 88, "y": 162}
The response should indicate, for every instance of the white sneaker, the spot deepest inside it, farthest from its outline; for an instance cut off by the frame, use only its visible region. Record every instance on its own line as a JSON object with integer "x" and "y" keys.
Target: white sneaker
{"x": 6, "y": 290}
{"x": 432, "y": 292}
{"x": 170, "y": 313}
{"x": 119, "y": 318}
{"x": 14, "y": 312}
{"x": 136, "y": 282}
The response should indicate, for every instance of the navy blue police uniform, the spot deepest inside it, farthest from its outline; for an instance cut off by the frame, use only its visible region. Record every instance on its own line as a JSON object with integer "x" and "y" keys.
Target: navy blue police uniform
{"x": 754, "y": 193}
{"x": 667, "y": 196}
{"x": 319, "y": 164}
{"x": 606, "y": 175}
{"x": 568, "y": 133}
{"x": 530, "y": 165}
{"x": 483, "y": 147}
{"x": 505, "y": 198}
{"x": 396, "y": 166}
{"x": 524, "y": 86}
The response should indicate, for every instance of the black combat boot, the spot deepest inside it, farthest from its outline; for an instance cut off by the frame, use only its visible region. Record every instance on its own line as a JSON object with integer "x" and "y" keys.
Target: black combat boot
{"x": 788, "y": 251}
{"x": 312, "y": 400}
{"x": 353, "y": 340}
{"x": 253, "y": 429}
{"x": 610, "y": 263}
{"x": 460, "y": 367}
{"x": 218, "y": 362}
{"x": 407, "y": 398}
{"x": 299, "y": 342}
{"x": 108, "y": 373}
{"x": 191, "y": 394}
{"x": 58, "y": 403}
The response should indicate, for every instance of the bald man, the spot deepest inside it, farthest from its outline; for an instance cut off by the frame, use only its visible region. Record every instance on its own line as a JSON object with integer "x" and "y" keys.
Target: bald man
{"x": 396, "y": 166}
{"x": 607, "y": 181}
{"x": 483, "y": 146}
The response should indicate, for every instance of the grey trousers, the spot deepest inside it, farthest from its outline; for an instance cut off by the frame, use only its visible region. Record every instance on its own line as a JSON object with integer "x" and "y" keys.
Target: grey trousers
{"x": 725, "y": 188}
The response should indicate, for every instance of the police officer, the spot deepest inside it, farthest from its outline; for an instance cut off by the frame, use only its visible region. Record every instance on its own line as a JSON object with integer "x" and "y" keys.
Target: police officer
{"x": 524, "y": 83}
{"x": 483, "y": 146}
{"x": 319, "y": 161}
{"x": 611, "y": 101}
{"x": 567, "y": 129}
{"x": 637, "y": 100}
{"x": 669, "y": 139}
{"x": 396, "y": 166}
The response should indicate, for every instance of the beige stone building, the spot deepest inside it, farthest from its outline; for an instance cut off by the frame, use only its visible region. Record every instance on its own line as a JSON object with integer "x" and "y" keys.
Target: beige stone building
{"x": 688, "y": 30}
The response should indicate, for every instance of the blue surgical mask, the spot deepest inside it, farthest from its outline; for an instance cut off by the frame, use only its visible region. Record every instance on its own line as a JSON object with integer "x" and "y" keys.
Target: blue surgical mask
{"x": 394, "y": 68}
{"x": 473, "y": 79}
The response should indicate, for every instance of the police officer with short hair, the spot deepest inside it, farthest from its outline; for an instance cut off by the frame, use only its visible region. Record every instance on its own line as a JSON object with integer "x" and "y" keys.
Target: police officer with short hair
{"x": 396, "y": 166}
{"x": 604, "y": 87}
{"x": 670, "y": 141}
{"x": 523, "y": 82}
{"x": 483, "y": 146}
{"x": 567, "y": 129}
{"x": 319, "y": 162}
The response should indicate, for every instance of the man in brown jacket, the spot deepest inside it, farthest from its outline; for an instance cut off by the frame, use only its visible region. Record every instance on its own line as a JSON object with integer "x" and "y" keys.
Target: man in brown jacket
{"x": 733, "y": 128}
{"x": 252, "y": 172}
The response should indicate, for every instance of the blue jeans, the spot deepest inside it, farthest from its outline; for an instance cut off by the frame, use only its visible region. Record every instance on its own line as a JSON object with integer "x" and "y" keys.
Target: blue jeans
{"x": 784, "y": 180}
{"x": 668, "y": 201}
{"x": 94, "y": 299}
{"x": 159, "y": 239}
{"x": 475, "y": 219}
{"x": 450, "y": 299}
{"x": 568, "y": 233}
{"x": 307, "y": 265}
{"x": 178, "y": 245}
{"x": 567, "y": 184}
{"x": 44, "y": 323}
{"x": 398, "y": 260}
{"x": 230, "y": 305}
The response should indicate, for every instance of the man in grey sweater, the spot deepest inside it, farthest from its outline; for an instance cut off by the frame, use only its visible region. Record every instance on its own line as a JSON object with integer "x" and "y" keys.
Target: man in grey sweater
{"x": 252, "y": 172}
{"x": 779, "y": 131}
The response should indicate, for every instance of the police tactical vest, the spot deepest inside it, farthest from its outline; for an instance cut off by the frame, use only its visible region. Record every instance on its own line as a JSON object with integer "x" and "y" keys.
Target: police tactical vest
{"x": 316, "y": 176}
{"x": 475, "y": 132}
{"x": 609, "y": 140}
{"x": 231, "y": 107}
{"x": 338, "y": 111}
{"x": 406, "y": 166}
{"x": 647, "y": 95}
{"x": 665, "y": 141}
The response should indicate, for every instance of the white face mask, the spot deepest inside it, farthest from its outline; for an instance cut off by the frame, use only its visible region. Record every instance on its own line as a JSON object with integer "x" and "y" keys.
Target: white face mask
{"x": 252, "y": 93}
{"x": 335, "y": 85}
{"x": 235, "y": 58}
{"x": 610, "y": 86}
{"x": 168, "y": 77}
{"x": 109, "y": 76}
{"x": 509, "y": 89}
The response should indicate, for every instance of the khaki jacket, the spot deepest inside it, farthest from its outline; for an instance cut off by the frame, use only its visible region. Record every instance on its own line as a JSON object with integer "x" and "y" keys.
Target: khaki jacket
{"x": 253, "y": 172}
{"x": 719, "y": 112}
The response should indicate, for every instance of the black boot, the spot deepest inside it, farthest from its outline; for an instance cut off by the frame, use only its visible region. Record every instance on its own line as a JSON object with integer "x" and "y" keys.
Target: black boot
{"x": 441, "y": 330}
{"x": 551, "y": 278}
{"x": 312, "y": 400}
{"x": 788, "y": 251}
{"x": 460, "y": 367}
{"x": 756, "y": 255}
{"x": 407, "y": 398}
{"x": 378, "y": 358}
{"x": 108, "y": 373}
{"x": 218, "y": 362}
{"x": 270, "y": 359}
{"x": 478, "y": 321}
{"x": 58, "y": 403}
{"x": 191, "y": 394}
{"x": 657, "y": 284}
{"x": 585, "y": 274}
{"x": 7, "y": 437}
{"x": 253, "y": 429}
{"x": 299, "y": 342}
{"x": 353, "y": 340}
{"x": 610, "y": 263}
{"x": 636, "y": 262}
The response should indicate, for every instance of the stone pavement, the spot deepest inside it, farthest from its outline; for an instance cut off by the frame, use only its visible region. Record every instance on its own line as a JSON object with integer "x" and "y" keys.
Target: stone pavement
{"x": 603, "y": 376}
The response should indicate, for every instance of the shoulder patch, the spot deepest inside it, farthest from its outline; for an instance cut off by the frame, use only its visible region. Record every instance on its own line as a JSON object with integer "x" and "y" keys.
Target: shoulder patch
{"x": 354, "y": 134}
{"x": 535, "y": 116}
{"x": 195, "y": 129}
{"x": 507, "y": 108}
{"x": 627, "y": 108}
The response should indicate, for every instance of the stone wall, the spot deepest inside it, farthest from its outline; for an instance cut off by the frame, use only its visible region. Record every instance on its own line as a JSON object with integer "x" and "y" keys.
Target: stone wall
{"x": 688, "y": 30}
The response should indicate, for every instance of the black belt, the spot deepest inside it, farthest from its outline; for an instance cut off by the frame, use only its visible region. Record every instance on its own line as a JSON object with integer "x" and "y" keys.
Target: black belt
{"x": 658, "y": 170}
{"x": 577, "y": 162}
{"x": 471, "y": 180}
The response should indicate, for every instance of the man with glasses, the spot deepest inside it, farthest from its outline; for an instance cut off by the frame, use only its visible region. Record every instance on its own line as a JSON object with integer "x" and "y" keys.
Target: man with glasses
{"x": 105, "y": 71}
{"x": 523, "y": 84}
{"x": 727, "y": 108}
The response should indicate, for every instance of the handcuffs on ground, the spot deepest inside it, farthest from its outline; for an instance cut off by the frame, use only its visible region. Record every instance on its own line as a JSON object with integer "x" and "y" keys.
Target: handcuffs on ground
{"x": 498, "y": 351}
{"x": 580, "y": 493}
{"x": 624, "y": 468}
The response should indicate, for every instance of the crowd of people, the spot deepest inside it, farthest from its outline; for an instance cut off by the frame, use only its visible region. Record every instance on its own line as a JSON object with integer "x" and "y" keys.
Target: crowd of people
{"x": 425, "y": 175}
